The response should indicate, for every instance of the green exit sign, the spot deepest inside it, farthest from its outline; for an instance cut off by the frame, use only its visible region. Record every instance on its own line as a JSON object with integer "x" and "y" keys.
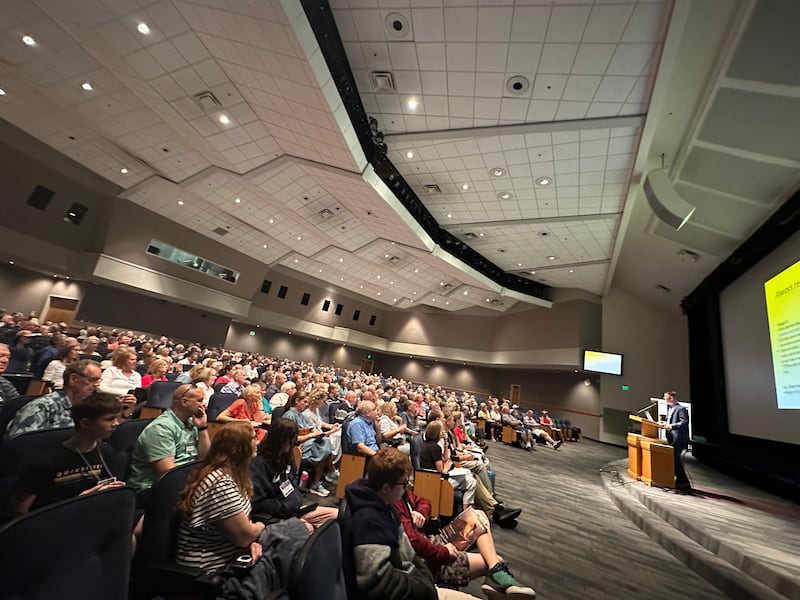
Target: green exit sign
{"x": 625, "y": 388}
{"x": 252, "y": 332}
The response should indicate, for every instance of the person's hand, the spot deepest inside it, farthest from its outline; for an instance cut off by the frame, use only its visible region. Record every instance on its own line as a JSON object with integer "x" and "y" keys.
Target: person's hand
{"x": 100, "y": 488}
{"x": 200, "y": 419}
{"x": 255, "y": 550}
{"x": 452, "y": 550}
{"x": 128, "y": 400}
{"x": 418, "y": 519}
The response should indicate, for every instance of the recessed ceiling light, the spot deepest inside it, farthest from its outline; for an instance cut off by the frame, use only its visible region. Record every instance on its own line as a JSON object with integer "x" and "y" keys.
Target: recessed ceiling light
{"x": 379, "y": 276}
{"x": 416, "y": 270}
{"x": 449, "y": 215}
{"x": 224, "y": 119}
{"x": 481, "y": 234}
{"x": 341, "y": 260}
{"x": 533, "y": 272}
{"x": 519, "y": 264}
{"x": 385, "y": 256}
{"x": 143, "y": 29}
{"x": 86, "y": 86}
{"x": 466, "y": 292}
{"x": 341, "y": 278}
{"x": 412, "y": 103}
{"x": 415, "y": 293}
{"x": 2, "y": 92}
{"x": 497, "y": 172}
{"x": 551, "y": 257}
{"x": 379, "y": 293}
{"x": 409, "y": 154}
{"x": 11, "y": 262}
{"x": 433, "y": 299}
{"x": 296, "y": 261}
{"x": 180, "y": 202}
{"x": 299, "y": 238}
{"x": 465, "y": 186}
{"x": 447, "y": 302}
{"x": 264, "y": 246}
{"x": 394, "y": 299}
{"x": 504, "y": 195}
{"x": 238, "y": 201}
{"x": 271, "y": 221}
{"x": 391, "y": 283}
{"x": 572, "y": 270}
{"x": 544, "y": 181}
{"x": 28, "y": 40}
{"x": 361, "y": 287}
{"x": 320, "y": 270}
{"x": 488, "y": 299}
{"x": 124, "y": 171}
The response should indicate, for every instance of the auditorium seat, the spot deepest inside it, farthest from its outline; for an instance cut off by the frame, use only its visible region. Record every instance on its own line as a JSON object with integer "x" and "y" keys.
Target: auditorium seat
{"x": 316, "y": 571}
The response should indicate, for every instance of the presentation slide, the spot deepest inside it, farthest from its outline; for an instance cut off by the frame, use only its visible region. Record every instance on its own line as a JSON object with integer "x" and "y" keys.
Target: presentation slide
{"x": 782, "y": 294}
{"x": 760, "y": 318}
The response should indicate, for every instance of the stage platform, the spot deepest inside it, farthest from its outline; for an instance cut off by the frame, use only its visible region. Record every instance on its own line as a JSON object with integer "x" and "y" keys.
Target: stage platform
{"x": 743, "y": 541}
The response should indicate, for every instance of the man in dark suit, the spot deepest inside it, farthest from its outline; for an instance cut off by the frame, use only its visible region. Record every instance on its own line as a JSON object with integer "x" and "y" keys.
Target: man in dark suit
{"x": 677, "y": 427}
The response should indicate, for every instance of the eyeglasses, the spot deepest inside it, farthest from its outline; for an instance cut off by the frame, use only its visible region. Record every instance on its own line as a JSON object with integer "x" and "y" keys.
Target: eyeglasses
{"x": 403, "y": 483}
{"x": 92, "y": 379}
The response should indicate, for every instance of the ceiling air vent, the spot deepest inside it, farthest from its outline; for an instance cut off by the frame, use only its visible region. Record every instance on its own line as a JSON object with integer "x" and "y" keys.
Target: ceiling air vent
{"x": 208, "y": 102}
{"x": 685, "y": 255}
{"x": 220, "y": 231}
{"x": 470, "y": 236}
{"x": 325, "y": 213}
{"x": 394, "y": 259}
{"x": 663, "y": 288}
{"x": 432, "y": 188}
{"x": 382, "y": 82}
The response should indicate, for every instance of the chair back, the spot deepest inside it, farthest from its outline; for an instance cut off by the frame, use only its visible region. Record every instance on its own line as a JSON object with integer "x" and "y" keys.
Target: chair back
{"x": 77, "y": 549}
{"x": 160, "y": 527}
{"x": 10, "y": 408}
{"x": 21, "y": 453}
{"x": 347, "y": 446}
{"x": 160, "y": 394}
{"x": 124, "y": 439}
{"x": 316, "y": 571}
{"x": 278, "y": 412}
{"x": 141, "y": 369}
{"x": 218, "y": 403}
{"x": 415, "y": 445}
{"x": 219, "y": 386}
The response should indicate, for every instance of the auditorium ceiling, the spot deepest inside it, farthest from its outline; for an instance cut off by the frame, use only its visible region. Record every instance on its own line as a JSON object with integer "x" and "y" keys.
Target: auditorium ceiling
{"x": 524, "y": 129}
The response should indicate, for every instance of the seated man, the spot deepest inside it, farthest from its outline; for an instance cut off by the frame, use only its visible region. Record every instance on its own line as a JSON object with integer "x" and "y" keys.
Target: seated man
{"x": 52, "y": 411}
{"x": 508, "y": 420}
{"x": 451, "y": 566}
{"x": 362, "y": 430}
{"x": 7, "y": 389}
{"x": 81, "y": 464}
{"x": 177, "y": 437}
{"x": 237, "y": 383}
{"x": 532, "y": 425}
{"x": 378, "y": 561}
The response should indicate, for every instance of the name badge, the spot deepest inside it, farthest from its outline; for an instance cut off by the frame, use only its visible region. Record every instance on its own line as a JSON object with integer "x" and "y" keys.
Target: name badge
{"x": 287, "y": 488}
{"x": 191, "y": 449}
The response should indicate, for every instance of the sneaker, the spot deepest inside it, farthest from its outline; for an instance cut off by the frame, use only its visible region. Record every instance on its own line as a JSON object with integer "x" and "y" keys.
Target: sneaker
{"x": 499, "y": 584}
{"x": 503, "y": 515}
{"x": 319, "y": 490}
{"x": 557, "y": 445}
{"x": 332, "y": 477}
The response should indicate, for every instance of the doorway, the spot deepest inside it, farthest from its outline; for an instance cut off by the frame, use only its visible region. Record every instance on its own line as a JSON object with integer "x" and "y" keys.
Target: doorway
{"x": 61, "y": 310}
{"x": 515, "y": 393}
{"x": 367, "y": 365}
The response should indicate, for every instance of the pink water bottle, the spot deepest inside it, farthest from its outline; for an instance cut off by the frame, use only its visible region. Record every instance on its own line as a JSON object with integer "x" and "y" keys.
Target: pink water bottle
{"x": 303, "y": 480}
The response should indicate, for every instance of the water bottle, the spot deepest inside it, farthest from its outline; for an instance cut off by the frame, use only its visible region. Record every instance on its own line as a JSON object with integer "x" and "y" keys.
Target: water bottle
{"x": 304, "y": 480}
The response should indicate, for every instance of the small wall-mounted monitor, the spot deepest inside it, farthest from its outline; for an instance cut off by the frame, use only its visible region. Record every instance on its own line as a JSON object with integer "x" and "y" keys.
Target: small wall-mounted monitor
{"x": 602, "y": 362}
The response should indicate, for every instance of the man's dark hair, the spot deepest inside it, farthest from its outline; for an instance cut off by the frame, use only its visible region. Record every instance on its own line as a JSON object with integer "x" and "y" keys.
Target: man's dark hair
{"x": 387, "y": 465}
{"x": 94, "y": 406}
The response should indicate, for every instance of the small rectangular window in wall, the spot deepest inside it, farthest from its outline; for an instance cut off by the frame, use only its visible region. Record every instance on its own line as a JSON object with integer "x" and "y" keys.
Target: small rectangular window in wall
{"x": 372, "y": 320}
{"x": 265, "y": 285}
{"x": 282, "y": 291}
{"x": 305, "y": 300}
{"x": 191, "y": 261}
{"x": 356, "y": 315}
{"x": 326, "y": 305}
{"x": 338, "y": 310}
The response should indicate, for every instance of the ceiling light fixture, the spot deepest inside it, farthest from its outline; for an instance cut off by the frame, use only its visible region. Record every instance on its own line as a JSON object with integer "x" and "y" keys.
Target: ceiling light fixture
{"x": 412, "y": 103}
{"x": 466, "y": 292}
{"x": 11, "y": 262}
{"x": 572, "y": 270}
{"x": 465, "y": 186}
{"x": 533, "y": 272}
{"x": 143, "y": 29}
{"x": 2, "y": 92}
{"x": 265, "y": 246}
{"x": 551, "y": 257}
{"x": 504, "y": 195}
{"x": 224, "y": 119}
{"x": 299, "y": 238}
{"x": 379, "y": 293}
{"x": 409, "y": 154}
{"x": 271, "y": 221}
{"x": 544, "y": 181}
{"x": 341, "y": 260}
{"x": 481, "y": 234}
{"x": 180, "y": 202}
{"x": 86, "y": 86}
{"x": 238, "y": 201}
{"x": 28, "y": 40}
{"x": 519, "y": 264}
{"x": 449, "y": 215}
{"x": 124, "y": 171}
{"x": 296, "y": 261}
{"x": 497, "y": 172}
{"x": 416, "y": 270}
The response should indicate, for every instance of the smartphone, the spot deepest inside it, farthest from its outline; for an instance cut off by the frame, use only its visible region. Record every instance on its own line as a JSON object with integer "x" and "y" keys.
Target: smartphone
{"x": 307, "y": 508}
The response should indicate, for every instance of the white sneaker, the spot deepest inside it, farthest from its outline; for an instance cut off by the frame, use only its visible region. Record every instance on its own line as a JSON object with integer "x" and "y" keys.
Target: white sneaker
{"x": 319, "y": 490}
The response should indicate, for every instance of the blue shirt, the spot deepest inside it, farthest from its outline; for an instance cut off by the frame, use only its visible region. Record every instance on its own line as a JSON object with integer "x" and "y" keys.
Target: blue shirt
{"x": 362, "y": 431}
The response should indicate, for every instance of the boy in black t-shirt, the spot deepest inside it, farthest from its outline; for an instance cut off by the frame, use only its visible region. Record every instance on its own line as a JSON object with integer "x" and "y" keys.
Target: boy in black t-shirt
{"x": 79, "y": 465}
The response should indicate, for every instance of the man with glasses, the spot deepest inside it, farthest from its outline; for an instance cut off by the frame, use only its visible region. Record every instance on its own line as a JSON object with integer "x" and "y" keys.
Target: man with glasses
{"x": 175, "y": 438}
{"x": 52, "y": 411}
{"x": 379, "y": 562}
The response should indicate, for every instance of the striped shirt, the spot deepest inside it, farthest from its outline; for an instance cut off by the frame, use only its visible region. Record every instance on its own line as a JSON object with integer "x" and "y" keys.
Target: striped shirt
{"x": 201, "y": 544}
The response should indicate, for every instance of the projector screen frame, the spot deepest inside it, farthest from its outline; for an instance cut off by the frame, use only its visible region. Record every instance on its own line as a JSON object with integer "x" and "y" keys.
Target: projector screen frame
{"x": 621, "y": 361}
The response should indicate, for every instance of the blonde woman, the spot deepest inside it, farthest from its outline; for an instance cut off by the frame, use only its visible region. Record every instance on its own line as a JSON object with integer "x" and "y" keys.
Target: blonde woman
{"x": 247, "y": 408}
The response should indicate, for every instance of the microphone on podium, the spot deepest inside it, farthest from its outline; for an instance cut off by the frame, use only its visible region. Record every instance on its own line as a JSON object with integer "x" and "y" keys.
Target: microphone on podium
{"x": 646, "y": 408}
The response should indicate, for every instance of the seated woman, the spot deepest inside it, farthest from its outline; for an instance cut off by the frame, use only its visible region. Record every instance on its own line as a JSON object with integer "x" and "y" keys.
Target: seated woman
{"x": 275, "y": 478}
{"x": 54, "y": 373}
{"x": 315, "y": 445}
{"x": 247, "y": 408}
{"x": 451, "y": 566}
{"x": 316, "y": 400}
{"x": 157, "y": 371}
{"x": 204, "y": 379}
{"x": 392, "y": 432}
{"x": 432, "y": 457}
{"x": 215, "y": 526}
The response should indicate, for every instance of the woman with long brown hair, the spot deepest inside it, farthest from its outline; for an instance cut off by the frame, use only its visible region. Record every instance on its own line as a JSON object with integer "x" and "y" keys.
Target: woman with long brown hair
{"x": 215, "y": 504}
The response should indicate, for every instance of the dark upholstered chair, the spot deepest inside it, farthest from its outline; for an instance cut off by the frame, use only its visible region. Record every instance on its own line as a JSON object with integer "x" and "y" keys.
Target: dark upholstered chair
{"x": 77, "y": 549}
{"x": 317, "y": 569}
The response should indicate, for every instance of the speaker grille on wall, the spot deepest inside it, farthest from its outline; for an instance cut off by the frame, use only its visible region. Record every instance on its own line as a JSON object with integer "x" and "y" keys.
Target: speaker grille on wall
{"x": 75, "y": 213}
{"x": 40, "y": 197}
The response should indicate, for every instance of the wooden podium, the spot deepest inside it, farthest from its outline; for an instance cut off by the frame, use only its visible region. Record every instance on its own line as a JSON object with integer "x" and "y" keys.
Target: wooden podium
{"x": 650, "y": 460}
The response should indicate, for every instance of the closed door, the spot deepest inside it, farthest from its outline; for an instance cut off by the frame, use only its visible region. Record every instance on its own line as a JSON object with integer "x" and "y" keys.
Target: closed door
{"x": 515, "y": 393}
{"x": 367, "y": 365}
